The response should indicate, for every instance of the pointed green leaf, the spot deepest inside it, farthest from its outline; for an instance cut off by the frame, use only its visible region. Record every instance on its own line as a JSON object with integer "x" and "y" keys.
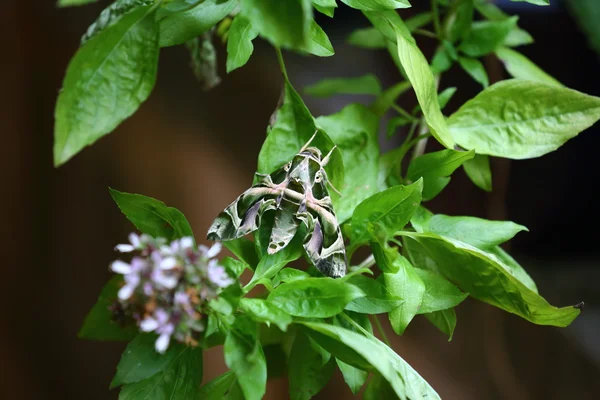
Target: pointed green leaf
{"x": 366, "y": 84}
{"x": 239, "y": 42}
{"x": 219, "y": 388}
{"x": 408, "y": 285}
{"x": 378, "y": 388}
{"x": 263, "y": 311}
{"x": 377, "y": 300}
{"x": 326, "y": 7}
{"x": 517, "y": 270}
{"x": 69, "y": 3}
{"x": 439, "y": 293}
{"x": 317, "y": 42}
{"x": 309, "y": 372}
{"x": 475, "y": 69}
{"x": 367, "y": 38}
{"x": 486, "y": 36}
{"x": 420, "y": 219}
{"x": 519, "y": 66}
{"x": 522, "y": 119}
{"x": 478, "y": 170}
{"x": 444, "y": 320}
{"x": 377, "y": 5}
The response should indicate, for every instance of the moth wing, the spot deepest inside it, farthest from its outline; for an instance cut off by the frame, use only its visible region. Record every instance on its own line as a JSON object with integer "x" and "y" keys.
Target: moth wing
{"x": 284, "y": 227}
{"x": 324, "y": 245}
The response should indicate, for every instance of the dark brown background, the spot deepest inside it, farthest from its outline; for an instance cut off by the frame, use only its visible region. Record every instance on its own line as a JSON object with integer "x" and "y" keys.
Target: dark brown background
{"x": 196, "y": 151}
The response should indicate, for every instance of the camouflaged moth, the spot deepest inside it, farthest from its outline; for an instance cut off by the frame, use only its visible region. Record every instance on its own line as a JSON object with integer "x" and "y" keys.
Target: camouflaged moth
{"x": 298, "y": 193}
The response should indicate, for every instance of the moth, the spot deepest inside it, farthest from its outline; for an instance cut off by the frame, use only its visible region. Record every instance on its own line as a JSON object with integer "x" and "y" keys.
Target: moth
{"x": 298, "y": 192}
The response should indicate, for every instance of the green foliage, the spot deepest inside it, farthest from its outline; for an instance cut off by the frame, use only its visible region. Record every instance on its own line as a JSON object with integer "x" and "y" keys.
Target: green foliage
{"x": 304, "y": 324}
{"x": 68, "y": 3}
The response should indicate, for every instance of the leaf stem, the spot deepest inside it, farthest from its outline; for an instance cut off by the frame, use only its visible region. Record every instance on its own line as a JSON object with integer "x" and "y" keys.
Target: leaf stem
{"x": 367, "y": 262}
{"x": 403, "y": 112}
{"x": 281, "y": 63}
{"x": 436, "y": 18}
{"x": 381, "y": 331}
{"x": 426, "y": 33}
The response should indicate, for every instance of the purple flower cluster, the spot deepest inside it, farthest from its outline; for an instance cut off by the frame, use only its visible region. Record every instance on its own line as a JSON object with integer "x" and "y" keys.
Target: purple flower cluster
{"x": 167, "y": 286}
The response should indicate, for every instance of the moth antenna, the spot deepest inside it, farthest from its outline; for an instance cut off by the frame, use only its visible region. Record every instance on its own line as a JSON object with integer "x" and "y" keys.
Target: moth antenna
{"x": 308, "y": 143}
{"x": 333, "y": 187}
{"x": 326, "y": 158}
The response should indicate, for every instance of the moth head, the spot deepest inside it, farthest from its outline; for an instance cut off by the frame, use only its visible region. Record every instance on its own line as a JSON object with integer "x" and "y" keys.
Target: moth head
{"x": 312, "y": 152}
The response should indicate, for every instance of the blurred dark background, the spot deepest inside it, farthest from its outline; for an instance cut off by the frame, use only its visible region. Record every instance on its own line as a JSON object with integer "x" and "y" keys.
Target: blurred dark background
{"x": 196, "y": 151}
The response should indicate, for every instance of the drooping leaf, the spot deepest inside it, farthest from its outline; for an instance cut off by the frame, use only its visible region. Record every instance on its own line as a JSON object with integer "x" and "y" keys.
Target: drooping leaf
{"x": 519, "y": 66}
{"x": 390, "y": 210}
{"x": 354, "y": 131}
{"x": 239, "y": 42}
{"x": 488, "y": 279}
{"x": 377, "y": 5}
{"x": 317, "y": 42}
{"x": 377, "y": 300}
{"x": 378, "y": 388}
{"x": 178, "y": 28}
{"x": 326, "y": 7}
{"x": 99, "y": 323}
{"x": 481, "y": 233}
{"x": 283, "y": 23}
{"x": 478, "y": 170}
{"x": 347, "y": 345}
{"x": 408, "y": 285}
{"x": 106, "y": 81}
{"x": 475, "y": 69}
{"x": 366, "y": 84}
{"x": 522, "y": 119}
{"x": 439, "y": 293}
{"x": 435, "y": 168}
{"x": 486, "y": 36}
{"x": 140, "y": 360}
{"x": 309, "y": 372}
{"x": 245, "y": 357}
{"x": 314, "y": 297}
{"x": 417, "y": 70}
{"x": 517, "y": 270}
{"x": 444, "y": 320}
{"x": 179, "y": 380}
{"x": 264, "y": 311}
{"x": 151, "y": 216}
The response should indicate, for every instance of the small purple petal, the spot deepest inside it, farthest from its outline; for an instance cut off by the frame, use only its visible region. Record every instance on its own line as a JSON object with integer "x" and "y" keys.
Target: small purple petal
{"x": 149, "y": 324}
{"x": 181, "y": 298}
{"x": 134, "y": 239}
{"x": 124, "y": 248}
{"x": 168, "y": 263}
{"x": 161, "y": 316}
{"x": 120, "y": 267}
{"x": 125, "y": 292}
{"x": 218, "y": 276}
{"x": 162, "y": 343}
{"x": 148, "y": 289}
{"x": 186, "y": 243}
{"x": 214, "y": 250}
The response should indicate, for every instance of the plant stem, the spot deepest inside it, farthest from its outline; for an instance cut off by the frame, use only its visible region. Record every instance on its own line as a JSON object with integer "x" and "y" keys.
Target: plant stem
{"x": 381, "y": 331}
{"x": 367, "y": 262}
{"x": 426, "y": 33}
{"x": 281, "y": 63}
{"x": 436, "y": 18}
{"x": 403, "y": 112}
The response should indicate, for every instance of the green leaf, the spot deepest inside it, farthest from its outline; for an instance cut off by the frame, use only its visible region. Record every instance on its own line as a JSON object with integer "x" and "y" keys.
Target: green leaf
{"x": 418, "y": 21}
{"x": 245, "y": 357}
{"x": 521, "y": 119}
{"x": 390, "y": 210}
{"x": 219, "y": 388}
{"x": 326, "y": 7}
{"x": 263, "y": 311}
{"x": 439, "y": 293}
{"x": 289, "y": 275}
{"x": 178, "y": 28}
{"x": 478, "y": 170}
{"x": 445, "y": 96}
{"x": 514, "y": 266}
{"x": 435, "y": 169}
{"x": 151, "y": 216}
{"x": 516, "y": 37}
{"x": 457, "y": 24}
{"x": 444, "y": 320}
{"x": 536, "y": 2}
{"x": 366, "y": 84}
{"x": 239, "y": 42}
{"x": 69, "y": 3}
{"x": 283, "y": 23}
{"x": 367, "y": 38}
{"x": 314, "y": 297}
{"x": 354, "y": 130}
{"x": 244, "y": 250}
{"x": 519, "y": 66}
{"x": 293, "y": 128}
{"x": 487, "y": 279}
{"x": 113, "y": 14}
{"x": 405, "y": 381}
{"x": 309, "y": 372}
{"x": 106, "y": 81}
{"x": 587, "y": 14}
{"x": 354, "y": 377}
{"x": 408, "y": 285}
{"x": 478, "y": 232}
{"x": 385, "y": 101}
{"x": 377, "y": 300}
{"x": 378, "y": 388}
{"x": 180, "y": 380}
{"x": 140, "y": 360}
{"x": 234, "y": 267}
{"x": 377, "y": 5}
{"x": 420, "y": 219}
{"x": 486, "y": 36}
{"x": 99, "y": 324}
{"x": 317, "y": 42}
{"x": 475, "y": 69}
{"x": 418, "y": 72}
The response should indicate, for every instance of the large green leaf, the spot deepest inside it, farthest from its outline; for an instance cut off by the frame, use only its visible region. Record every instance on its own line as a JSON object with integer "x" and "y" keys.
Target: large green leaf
{"x": 283, "y": 23}
{"x": 106, "y": 81}
{"x": 486, "y": 36}
{"x": 517, "y": 270}
{"x": 245, "y": 357}
{"x": 481, "y": 233}
{"x": 113, "y": 14}
{"x": 487, "y": 279}
{"x": 179, "y": 380}
{"x": 152, "y": 216}
{"x": 309, "y": 371}
{"x": 99, "y": 323}
{"x": 354, "y": 131}
{"x": 417, "y": 70}
{"x": 389, "y": 211}
{"x": 178, "y": 28}
{"x": 522, "y": 119}
{"x": 377, "y": 5}
{"x": 435, "y": 169}
{"x": 239, "y": 42}
{"x": 519, "y": 66}
{"x": 314, "y": 297}
{"x": 479, "y": 171}
{"x": 366, "y": 84}
{"x": 405, "y": 381}
{"x": 377, "y": 300}
{"x": 140, "y": 360}
{"x": 264, "y": 311}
